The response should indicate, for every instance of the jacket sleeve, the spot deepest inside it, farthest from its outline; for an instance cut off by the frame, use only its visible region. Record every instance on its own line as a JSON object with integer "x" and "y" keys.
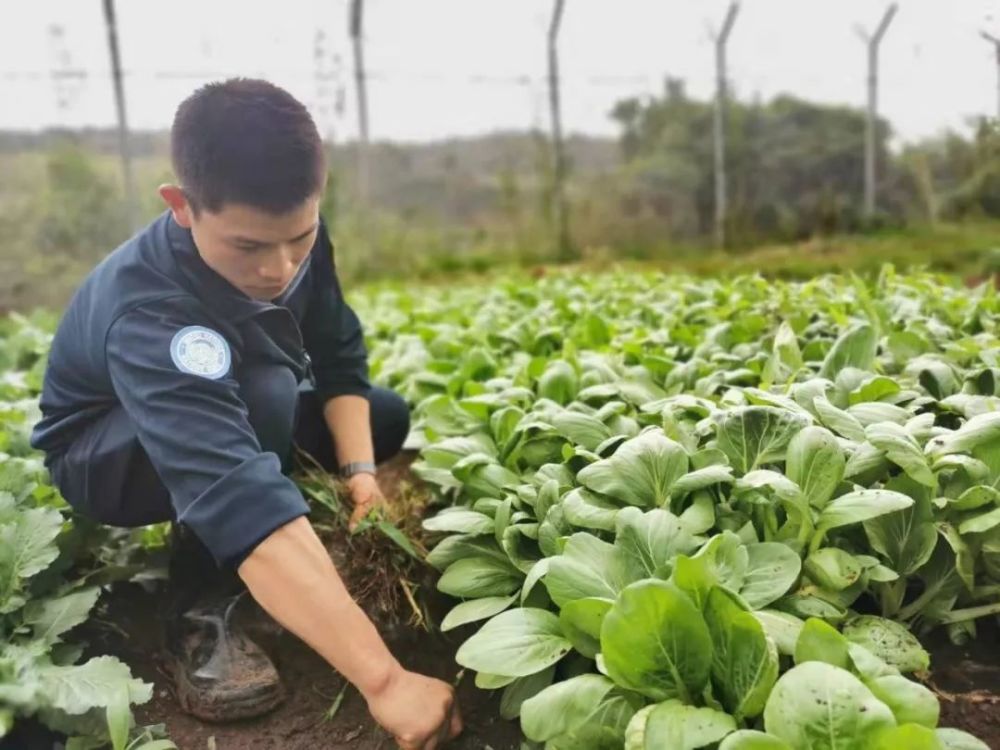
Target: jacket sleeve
{"x": 332, "y": 333}
{"x": 198, "y": 437}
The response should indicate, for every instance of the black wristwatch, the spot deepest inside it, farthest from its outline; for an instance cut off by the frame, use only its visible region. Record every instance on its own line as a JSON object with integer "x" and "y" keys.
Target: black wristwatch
{"x": 357, "y": 467}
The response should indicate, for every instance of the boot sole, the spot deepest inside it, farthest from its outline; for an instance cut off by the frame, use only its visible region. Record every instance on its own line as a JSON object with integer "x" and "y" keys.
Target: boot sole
{"x": 252, "y": 705}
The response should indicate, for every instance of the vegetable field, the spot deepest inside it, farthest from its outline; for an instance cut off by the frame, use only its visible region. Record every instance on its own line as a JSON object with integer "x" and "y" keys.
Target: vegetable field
{"x": 51, "y": 574}
{"x": 667, "y": 512}
{"x": 686, "y": 513}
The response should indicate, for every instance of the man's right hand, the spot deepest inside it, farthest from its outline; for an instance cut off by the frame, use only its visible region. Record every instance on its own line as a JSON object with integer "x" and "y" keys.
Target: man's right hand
{"x": 419, "y": 711}
{"x": 292, "y": 577}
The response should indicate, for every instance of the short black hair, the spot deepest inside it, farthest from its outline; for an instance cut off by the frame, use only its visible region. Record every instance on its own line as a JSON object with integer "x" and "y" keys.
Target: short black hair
{"x": 246, "y": 141}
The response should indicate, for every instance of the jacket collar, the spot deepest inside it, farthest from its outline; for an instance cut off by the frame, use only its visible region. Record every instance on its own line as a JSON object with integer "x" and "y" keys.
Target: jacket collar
{"x": 211, "y": 288}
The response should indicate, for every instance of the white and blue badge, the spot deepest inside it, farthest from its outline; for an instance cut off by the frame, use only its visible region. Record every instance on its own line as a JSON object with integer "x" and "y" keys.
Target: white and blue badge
{"x": 200, "y": 351}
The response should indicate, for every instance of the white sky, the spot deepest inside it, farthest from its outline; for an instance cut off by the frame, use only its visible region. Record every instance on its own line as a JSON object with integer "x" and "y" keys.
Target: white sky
{"x": 457, "y": 67}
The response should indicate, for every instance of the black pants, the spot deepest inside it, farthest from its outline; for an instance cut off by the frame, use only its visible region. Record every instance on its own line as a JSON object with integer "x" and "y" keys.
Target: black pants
{"x": 107, "y": 476}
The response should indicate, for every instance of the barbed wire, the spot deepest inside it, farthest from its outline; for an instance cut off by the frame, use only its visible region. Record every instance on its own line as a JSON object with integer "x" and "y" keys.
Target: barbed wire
{"x": 520, "y": 79}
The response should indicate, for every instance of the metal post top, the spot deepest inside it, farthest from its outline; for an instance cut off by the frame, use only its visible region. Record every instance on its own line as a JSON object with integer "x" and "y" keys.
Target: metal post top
{"x": 872, "y": 40}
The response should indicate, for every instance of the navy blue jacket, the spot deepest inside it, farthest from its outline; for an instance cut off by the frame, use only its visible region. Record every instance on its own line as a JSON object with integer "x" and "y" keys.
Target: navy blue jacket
{"x": 113, "y": 346}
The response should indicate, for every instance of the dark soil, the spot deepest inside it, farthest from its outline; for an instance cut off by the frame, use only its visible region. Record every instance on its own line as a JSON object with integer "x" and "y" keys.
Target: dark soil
{"x": 382, "y": 577}
{"x": 399, "y": 596}
{"x": 967, "y": 681}
{"x": 300, "y": 722}
{"x": 397, "y": 593}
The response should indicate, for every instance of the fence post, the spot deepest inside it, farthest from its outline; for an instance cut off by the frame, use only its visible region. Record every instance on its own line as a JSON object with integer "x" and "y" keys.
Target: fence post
{"x": 564, "y": 250}
{"x": 719, "y": 125}
{"x": 872, "y": 42}
{"x": 124, "y": 149}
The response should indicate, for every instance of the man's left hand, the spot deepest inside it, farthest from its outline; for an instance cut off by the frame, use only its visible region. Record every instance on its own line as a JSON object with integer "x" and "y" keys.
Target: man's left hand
{"x": 366, "y": 495}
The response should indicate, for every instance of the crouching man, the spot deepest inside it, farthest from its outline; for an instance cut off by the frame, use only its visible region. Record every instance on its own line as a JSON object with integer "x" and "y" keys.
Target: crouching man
{"x": 185, "y": 368}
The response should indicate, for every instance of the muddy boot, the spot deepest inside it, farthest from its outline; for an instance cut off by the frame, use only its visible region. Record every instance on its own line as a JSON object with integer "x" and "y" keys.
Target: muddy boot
{"x": 219, "y": 673}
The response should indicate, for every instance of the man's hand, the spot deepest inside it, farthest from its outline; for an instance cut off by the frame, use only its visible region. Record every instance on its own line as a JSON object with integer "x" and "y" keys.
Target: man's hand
{"x": 419, "y": 711}
{"x": 292, "y": 577}
{"x": 366, "y": 495}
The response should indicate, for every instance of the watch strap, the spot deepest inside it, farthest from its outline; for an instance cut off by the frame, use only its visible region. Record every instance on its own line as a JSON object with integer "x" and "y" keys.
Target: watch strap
{"x": 357, "y": 467}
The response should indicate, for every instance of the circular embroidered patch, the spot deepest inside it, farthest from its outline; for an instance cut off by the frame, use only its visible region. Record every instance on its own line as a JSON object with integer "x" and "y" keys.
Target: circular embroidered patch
{"x": 200, "y": 351}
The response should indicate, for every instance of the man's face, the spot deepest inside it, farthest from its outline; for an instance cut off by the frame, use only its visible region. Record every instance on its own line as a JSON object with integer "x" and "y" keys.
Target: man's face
{"x": 257, "y": 252}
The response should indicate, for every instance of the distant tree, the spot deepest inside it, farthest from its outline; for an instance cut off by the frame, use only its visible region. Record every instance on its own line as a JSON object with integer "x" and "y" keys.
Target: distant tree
{"x": 795, "y": 166}
{"x": 977, "y": 167}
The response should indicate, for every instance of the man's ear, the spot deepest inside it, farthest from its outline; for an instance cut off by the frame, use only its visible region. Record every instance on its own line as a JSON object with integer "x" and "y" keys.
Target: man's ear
{"x": 178, "y": 204}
